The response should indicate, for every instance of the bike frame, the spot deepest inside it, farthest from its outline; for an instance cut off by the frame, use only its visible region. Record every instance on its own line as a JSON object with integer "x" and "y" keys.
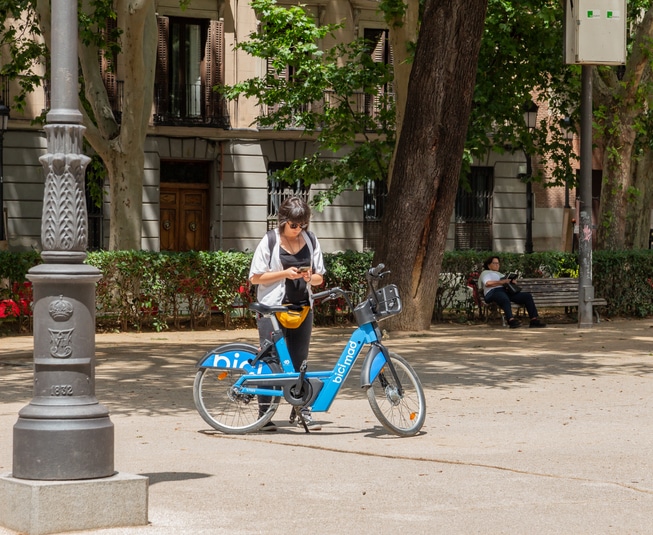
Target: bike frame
{"x": 260, "y": 381}
{"x": 316, "y": 389}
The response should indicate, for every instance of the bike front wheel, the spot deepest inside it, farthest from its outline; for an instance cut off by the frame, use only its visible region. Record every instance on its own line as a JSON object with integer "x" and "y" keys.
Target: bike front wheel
{"x": 224, "y": 408}
{"x": 402, "y": 414}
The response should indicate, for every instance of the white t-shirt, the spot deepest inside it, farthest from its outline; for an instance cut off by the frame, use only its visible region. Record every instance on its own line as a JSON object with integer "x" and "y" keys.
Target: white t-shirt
{"x": 265, "y": 260}
{"x": 489, "y": 275}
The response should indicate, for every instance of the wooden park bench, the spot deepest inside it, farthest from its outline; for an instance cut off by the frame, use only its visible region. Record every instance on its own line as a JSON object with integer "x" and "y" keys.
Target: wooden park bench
{"x": 547, "y": 293}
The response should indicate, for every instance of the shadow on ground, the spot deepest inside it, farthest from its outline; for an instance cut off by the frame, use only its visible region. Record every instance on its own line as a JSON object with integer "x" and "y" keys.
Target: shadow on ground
{"x": 156, "y": 376}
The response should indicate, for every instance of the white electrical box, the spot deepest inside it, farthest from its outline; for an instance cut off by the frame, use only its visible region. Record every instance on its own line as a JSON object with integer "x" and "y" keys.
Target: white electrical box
{"x": 595, "y": 32}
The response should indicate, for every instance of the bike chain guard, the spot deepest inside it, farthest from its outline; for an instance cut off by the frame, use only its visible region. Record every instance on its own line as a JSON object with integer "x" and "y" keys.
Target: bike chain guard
{"x": 299, "y": 393}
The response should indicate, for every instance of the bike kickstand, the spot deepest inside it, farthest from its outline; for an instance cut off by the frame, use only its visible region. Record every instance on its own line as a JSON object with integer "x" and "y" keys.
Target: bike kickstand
{"x": 301, "y": 419}
{"x": 297, "y": 414}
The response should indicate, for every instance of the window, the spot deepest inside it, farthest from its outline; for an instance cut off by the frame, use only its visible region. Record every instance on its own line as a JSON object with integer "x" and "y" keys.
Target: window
{"x": 279, "y": 191}
{"x": 473, "y": 211}
{"x": 374, "y": 197}
{"x": 108, "y": 64}
{"x": 379, "y": 40}
{"x": 190, "y": 63}
{"x": 94, "y": 186}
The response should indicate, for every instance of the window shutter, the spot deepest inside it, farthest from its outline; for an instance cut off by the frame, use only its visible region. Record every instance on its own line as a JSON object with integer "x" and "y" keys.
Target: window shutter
{"x": 108, "y": 64}
{"x": 162, "y": 91}
{"x": 381, "y": 53}
{"x": 282, "y": 75}
{"x": 213, "y": 72}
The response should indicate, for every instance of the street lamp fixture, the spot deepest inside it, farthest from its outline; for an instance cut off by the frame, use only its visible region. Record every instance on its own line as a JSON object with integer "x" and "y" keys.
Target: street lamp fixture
{"x": 4, "y": 122}
{"x": 530, "y": 119}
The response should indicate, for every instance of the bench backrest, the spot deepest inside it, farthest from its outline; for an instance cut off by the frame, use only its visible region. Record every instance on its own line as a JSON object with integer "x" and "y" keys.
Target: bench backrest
{"x": 549, "y": 286}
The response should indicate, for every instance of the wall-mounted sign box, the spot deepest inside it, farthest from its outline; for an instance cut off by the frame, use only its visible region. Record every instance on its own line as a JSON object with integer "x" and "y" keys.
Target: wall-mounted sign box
{"x": 595, "y": 32}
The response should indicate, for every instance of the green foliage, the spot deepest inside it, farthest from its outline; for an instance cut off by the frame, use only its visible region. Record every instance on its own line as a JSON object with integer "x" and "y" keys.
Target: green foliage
{"x": 393, "y": 10}
{"x": 14, "y": 286}
{"x": 23, "y": 50}
{"x": 521, "y": 54}
{"x": 96, "y": 174}
{"x": 142, "y": 289}
{"x": 93, "y": 28}
{"x": 316, "y": 91}
{"x": 625, "y": 279}
{"x": 22, "y": 38}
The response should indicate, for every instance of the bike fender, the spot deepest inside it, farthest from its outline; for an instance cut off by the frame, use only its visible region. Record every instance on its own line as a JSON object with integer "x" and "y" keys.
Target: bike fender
{"x": 235, "y": 356}
{"x": 372, "y": 365}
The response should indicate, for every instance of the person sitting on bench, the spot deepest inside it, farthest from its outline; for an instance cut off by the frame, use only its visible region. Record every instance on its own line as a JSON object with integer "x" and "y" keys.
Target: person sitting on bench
{"x": 494, "y": 284}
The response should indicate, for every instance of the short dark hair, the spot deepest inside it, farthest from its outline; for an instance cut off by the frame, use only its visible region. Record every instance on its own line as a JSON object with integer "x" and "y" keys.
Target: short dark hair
{"x": 294, "y": 210}
{"x": 488, "y": 261}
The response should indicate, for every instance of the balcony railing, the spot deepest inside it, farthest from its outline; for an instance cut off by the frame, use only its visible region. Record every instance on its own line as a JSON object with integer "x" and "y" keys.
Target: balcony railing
{"x": 361, "y": 103}
{"x": 188, "y": 106}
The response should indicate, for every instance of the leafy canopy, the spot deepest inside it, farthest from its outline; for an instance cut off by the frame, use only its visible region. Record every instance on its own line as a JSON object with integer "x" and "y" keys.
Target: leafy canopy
{"x": 325, "y": 93}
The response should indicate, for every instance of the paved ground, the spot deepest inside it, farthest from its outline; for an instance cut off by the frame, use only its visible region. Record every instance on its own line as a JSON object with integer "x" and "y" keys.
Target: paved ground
{"x": 527, "y": 432}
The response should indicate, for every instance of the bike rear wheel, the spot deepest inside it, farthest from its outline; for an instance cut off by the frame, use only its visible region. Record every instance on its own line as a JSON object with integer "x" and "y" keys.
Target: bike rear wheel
{"x": 402, "y": 414}
{"x": 227, "y": 410}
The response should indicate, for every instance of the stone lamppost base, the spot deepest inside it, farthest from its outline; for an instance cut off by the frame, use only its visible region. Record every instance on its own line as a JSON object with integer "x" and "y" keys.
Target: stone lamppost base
{"x": 42, "y": 507}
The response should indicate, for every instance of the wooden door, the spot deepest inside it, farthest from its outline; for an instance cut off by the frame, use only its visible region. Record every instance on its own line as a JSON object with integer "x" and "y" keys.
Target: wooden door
{"x": 184, "y": 217}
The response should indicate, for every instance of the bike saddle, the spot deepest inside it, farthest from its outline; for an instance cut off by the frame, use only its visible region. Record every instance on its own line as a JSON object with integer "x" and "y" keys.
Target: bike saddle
{"x": 266, "y": 309}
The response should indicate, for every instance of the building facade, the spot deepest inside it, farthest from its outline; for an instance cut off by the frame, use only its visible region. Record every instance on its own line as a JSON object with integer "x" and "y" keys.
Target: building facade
{"x": 207, "y": 177}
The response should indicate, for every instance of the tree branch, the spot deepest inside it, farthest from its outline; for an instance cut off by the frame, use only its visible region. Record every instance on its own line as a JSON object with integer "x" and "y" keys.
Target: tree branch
{"x": 640, "y": 56}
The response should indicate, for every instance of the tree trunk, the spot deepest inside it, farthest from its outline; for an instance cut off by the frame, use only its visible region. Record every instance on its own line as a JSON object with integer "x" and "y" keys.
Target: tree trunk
{"x": 122, "y": 147}
{"x": 429, "y": 154}
{"x": 616, "y": 187}
{"x": 402, "y": 33}
{"x": 638, "y": 220}
{"x": 622, "y": 101}
{"x": 126, "y": 191}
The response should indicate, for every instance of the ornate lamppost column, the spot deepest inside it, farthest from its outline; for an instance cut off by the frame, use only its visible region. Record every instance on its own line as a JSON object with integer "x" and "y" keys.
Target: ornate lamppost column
{"x": 64, "y": 433}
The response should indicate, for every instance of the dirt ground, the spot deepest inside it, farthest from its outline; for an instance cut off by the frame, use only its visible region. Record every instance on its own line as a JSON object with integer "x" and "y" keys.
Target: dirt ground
{"x": 539, "y": 431}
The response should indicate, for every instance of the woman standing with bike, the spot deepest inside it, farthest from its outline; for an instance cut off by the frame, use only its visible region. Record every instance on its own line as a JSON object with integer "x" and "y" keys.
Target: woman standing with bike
{"x": 286, "y": 263}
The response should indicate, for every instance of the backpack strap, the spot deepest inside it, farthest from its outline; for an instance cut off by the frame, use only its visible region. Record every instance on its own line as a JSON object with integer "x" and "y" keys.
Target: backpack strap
{"x": 272, "y": 241}
{"x": 312, "y": 237}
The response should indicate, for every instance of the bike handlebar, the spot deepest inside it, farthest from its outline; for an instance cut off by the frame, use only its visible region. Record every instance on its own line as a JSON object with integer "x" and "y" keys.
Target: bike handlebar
{"x": 332, "y": 292}
{"x": 374, "y": 273}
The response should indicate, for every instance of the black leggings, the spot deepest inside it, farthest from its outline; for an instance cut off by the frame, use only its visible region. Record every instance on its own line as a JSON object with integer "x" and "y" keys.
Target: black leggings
{"x": 297, "y": 341}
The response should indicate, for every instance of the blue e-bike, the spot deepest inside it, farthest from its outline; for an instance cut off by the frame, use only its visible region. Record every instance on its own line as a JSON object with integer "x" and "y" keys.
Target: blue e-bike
{"x": 238, "y": 387}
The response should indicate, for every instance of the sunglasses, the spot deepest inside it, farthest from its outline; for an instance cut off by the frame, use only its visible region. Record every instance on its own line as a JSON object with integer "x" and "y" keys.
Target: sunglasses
{"x": 294, "y": 226}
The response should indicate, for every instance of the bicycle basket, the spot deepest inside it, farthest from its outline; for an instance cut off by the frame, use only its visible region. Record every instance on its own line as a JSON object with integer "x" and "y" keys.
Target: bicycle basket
{"x": 389, "y": 302}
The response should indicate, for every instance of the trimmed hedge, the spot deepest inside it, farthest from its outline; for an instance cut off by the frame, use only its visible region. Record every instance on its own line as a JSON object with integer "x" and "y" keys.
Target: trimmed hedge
{"x": 142, "y": 289}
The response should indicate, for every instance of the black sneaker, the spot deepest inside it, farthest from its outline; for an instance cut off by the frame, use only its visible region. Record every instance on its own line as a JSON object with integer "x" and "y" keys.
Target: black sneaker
{"x": 536, "y": 323}
{"x": 513, "y": 323}
{"x": 270, "y": 427}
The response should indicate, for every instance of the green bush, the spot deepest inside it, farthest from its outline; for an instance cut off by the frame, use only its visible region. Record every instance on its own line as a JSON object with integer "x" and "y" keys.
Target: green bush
{"x": 141, "y": 289}
{"x": 625, "y": 279}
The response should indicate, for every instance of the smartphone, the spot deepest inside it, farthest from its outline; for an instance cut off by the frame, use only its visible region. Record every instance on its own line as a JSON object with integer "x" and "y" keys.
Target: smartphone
{"x": 303, "y": 269}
